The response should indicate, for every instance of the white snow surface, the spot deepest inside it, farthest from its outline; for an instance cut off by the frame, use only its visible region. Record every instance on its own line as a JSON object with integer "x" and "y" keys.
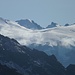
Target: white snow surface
{"x": 62, "y": 35}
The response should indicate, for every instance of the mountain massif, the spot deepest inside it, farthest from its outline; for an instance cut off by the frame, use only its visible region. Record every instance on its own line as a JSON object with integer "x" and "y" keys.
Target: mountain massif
{"x": 29, "y": 24}
{"x": 16, "y": 59}
{"x": 57, "y": 40}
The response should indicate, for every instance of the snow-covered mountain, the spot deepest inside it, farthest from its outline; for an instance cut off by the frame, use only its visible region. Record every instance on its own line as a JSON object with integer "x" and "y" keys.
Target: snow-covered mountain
{"x": 59, "y": 40}
{"x": 29, "y": 24}
{"x": 66, "y": 24}
{"x": 53, "y": 25}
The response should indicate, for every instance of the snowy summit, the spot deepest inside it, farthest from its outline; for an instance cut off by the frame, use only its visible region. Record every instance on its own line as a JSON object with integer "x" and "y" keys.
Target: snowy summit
{"x": 29, "y": 24}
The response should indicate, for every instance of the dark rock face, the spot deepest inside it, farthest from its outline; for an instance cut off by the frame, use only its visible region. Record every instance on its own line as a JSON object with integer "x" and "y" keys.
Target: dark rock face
{"x": 4, "y": 70}
{"x": 46, "y": 65}
{"x": 27, "y": 61}
{"x": 70, "y": 70}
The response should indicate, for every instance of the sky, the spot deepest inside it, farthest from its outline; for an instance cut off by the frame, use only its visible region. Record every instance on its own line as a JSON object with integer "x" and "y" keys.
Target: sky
{"x": 42, "y": 12}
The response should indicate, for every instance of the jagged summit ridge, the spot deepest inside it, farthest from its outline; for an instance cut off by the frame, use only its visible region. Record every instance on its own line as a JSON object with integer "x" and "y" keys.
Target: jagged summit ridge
{"x": 52, "y": 25}
{"x": 29, "y": 24}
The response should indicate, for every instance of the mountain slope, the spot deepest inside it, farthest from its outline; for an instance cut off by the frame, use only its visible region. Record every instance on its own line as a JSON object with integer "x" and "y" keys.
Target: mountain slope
{"x": 4, "y": 70}
{"x": 27, "y": 61}
{"x": 29, "y": 24}
{"x": 70, "y": 70}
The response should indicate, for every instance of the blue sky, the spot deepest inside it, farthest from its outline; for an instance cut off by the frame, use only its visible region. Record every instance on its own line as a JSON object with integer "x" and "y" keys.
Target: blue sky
{"x": 42, "y": 12}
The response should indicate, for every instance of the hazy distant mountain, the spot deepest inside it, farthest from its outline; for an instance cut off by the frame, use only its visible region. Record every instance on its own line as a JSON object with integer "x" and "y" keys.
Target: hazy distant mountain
{"x": 2, "y": 21}
{"x": 69, "y": 24}
{"x": 52, "y": 25}
{"x": 59, "y": 40}
{"x": 66, "y": 24}
{"x": 29, "y": 24}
